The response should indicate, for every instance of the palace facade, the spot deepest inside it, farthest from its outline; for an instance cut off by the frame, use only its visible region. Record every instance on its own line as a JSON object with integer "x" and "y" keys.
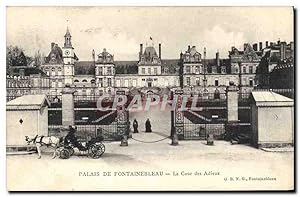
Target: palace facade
{"x": 192, "y": 71}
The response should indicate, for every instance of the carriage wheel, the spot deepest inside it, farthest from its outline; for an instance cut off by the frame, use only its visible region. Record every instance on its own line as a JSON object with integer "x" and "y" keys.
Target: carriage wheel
{"x": 95, "y": 151}
{"x": 102, "y": 148}
{"x": 64, "y": 154}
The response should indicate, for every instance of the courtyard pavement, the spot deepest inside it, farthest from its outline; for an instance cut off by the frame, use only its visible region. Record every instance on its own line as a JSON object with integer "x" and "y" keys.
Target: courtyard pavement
{"x": 192, "y": 165}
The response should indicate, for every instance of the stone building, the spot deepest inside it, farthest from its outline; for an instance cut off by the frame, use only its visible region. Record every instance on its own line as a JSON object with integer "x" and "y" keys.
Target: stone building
{"x": 22, "y": 80}
{"x": 59, "y": 64}
{"x": 275, "y": 53}
{"x": 244, "y": 64}
{"x": 192, "y": 71}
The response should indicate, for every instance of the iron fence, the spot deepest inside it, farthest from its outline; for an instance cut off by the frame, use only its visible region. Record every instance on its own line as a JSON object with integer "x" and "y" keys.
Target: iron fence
{"x": 85, "y": 132}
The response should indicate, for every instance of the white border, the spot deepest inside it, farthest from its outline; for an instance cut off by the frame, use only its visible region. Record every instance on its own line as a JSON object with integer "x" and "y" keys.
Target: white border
{"x": 5, "y": 3}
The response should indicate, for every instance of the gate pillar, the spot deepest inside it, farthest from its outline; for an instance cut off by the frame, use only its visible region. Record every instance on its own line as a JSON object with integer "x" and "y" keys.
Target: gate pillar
{"x": 122, "y": 125}
{"x": 232, "y": 111}
{"x": 178, "y": 117}
{"x": 68, "y": 114}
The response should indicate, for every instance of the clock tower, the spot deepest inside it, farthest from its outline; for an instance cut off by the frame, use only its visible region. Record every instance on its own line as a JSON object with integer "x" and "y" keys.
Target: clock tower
{"x": 69, "y": 58}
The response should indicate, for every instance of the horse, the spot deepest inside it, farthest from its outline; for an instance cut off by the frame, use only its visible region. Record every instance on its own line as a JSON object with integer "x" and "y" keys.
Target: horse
{"x": 40, "y": 141}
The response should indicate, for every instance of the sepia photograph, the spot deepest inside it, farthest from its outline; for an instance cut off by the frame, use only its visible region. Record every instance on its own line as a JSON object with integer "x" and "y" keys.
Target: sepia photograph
{"x": 150, "y": 98}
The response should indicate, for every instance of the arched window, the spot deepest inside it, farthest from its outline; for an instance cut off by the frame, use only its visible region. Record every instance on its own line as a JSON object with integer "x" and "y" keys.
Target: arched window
{"x": 84, "y": 80}
{"x": 93, "y": 81}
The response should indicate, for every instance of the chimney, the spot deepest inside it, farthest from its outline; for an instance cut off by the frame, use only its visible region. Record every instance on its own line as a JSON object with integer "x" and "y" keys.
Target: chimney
{"x": 218, "y": 59}
{"x": 254, "y": 46}
{"x": 282, "y": 50}
{"x": 181, "y": 55}
{"x": 260, "y": 46}
{"x": 189, "y": 48}
{"x": 52, "y": 45}
{"x": 245, "y": 46}
{"x": 267, "y": 44}
{"x": 159, "y": 50}
{"x": 271, "y": 44}
{"x": 141, "y": 50}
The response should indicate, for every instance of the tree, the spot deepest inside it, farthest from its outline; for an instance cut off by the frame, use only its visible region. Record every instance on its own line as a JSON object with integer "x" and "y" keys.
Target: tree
{"x": 15, "y": 57}
{"x": 38, "y": 59}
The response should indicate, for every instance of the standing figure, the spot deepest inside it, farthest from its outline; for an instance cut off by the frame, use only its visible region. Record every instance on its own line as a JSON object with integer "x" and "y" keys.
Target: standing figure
{"x": 148, "y": 126}
{"x": 135, "y": 126}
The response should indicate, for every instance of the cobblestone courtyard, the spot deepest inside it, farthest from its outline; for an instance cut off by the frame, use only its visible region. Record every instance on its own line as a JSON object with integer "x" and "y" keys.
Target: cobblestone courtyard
{"x": 223, "y": 166}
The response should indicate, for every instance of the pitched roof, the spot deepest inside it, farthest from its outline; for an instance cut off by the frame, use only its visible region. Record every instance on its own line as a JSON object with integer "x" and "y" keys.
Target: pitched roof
{"x": 27, "y": 71}
{"x": 28, "y": 102}
{"x": 55, "y": 56}
{"x": 150, "y": 50}
{"x": 84, "y": 68}
{"x": 268, "y": 98}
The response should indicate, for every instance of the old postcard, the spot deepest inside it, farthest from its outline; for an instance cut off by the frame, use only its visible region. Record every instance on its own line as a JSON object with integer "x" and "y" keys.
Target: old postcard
{"x": 150, "y": 98}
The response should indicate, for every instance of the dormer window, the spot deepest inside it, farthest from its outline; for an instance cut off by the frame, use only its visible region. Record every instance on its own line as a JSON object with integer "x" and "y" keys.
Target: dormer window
{"x": 53, "y": 57}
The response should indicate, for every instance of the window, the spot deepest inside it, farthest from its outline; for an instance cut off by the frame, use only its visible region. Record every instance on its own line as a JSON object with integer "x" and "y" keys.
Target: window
{"x": 76, "y": 81}
{"x": 143, "y": 79}
{"x": 250, "y": 69}
{"x": 198, "y": 81}
{"x": 53, "y": 71}
{"x": 223, "y": 70}
{"x": 155, "y": 71}
{"x": 60, "y": 83}
{"x": 100, "y": 82}
{"x": 244, "y": 69}
{"x": 59, "y": 71}
{"x": 143, "y": 70}
{"x": 251, "y": 82}
{"x": 93, "y": 81}
{"x": 197, "y": 69}
{"x": 187, "y": 69}
{"x": 149, "y": 71}
{"x": 84, "y": 80}
{"x": 188, "y": 81}
{"x": 100, "y": 71}
{"x": 216, "y": 82}
{"x": 109, "y": 82}
{"x": 109, "y": 71}
{"x": 126, "y": 82}
{"x": 214, "y": 69}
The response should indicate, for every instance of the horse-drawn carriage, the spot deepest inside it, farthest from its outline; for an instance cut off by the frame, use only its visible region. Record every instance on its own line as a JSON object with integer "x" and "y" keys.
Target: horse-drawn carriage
{"x": 65, "y": 148}
{"x": 93, "y": 148}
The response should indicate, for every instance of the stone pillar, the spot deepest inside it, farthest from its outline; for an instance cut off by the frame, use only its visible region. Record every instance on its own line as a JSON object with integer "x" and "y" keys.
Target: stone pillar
{"x": 232, "y": 125}
{"x": 232, "y": 102}
{"x": 68, "y": 115}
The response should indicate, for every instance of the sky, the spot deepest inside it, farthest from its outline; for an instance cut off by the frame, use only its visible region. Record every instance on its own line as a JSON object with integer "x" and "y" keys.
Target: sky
{"x": 121, "y": 29}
